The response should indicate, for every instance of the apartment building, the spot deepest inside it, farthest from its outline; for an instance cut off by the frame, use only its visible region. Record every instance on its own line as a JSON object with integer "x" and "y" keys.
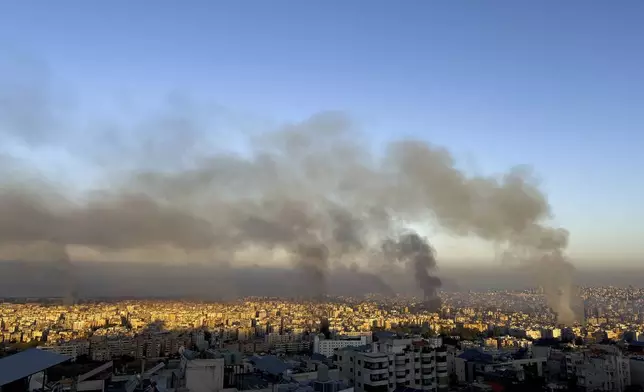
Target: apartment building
{"x": 327, "y": 347}
{"x": 384, "y": 366}
{"x": 601, "y": 367}
{"x": 74, "y": 348}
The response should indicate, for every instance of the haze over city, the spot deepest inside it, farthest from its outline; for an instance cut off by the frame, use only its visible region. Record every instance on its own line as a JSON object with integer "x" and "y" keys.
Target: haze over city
{"x": 321, "y": 196}
{"x": 229, "y": 135}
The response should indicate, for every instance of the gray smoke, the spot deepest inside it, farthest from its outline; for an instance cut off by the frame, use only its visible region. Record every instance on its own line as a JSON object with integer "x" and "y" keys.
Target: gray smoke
{"x": 416, "y": 251}
{"x": 311, "y": 192}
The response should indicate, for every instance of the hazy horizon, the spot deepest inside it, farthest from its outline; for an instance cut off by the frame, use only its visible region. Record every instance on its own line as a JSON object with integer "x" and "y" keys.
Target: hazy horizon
{"x": 207, "y": 282}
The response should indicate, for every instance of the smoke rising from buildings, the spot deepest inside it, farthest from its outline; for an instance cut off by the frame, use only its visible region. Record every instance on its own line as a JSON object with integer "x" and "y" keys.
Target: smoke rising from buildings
{"x": 313, "y": 192}
{"x": 416, "y": 251}
{"x": 325, "y": 327}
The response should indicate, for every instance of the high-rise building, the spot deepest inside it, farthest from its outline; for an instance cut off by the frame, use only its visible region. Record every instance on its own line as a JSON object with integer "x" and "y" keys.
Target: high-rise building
{"x": 384, "y": 366}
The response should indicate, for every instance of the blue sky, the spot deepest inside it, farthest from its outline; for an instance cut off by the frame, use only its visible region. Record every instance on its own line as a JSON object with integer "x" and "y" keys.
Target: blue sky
{"x": 555, "y": 84}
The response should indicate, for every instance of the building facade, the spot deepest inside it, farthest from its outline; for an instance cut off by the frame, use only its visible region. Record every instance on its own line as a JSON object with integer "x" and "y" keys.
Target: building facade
{"x": 383, "y": 367}
{"x": 327, "y": 347}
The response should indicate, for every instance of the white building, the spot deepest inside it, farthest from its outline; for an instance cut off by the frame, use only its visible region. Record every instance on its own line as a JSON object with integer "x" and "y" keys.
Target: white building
{"x": 74, "y": 348}
{"x": 601, "y": 368}
{"x": 203, "y": 375}
{"x": 396, "y": 363}
{"x": 327, "y": 347}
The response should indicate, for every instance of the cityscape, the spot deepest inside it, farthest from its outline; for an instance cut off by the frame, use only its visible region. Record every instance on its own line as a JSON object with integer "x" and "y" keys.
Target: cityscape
{"x": 321, "y": 196}
{"x": 510, "y": 339}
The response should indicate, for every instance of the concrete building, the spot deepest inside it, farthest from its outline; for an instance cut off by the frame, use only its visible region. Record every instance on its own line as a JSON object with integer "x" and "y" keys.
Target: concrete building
{"x": 601, "y": 368}
{"x": 637, "y": 370}
{"x": 73, "y": 349}
{"x": 474, "y": 364}
{"x": 354, "y": 334}
{"x": 202, "y": 375}
{"x": 385, "y": 366}
{"x": 327, "y": 347}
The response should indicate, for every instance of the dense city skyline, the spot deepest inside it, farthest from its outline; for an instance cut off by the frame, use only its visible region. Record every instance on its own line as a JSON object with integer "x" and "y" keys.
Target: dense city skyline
{"x": 337, "y": 196}
{"x": 507, "y": 338}
{"x": 167, "y": 175}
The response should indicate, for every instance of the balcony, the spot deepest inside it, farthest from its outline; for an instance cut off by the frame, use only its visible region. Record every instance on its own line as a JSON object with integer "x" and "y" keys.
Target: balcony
{"x": 378, "y": 381}
{"x": 376, "y": 388}
{"x": 376, "y": 371}
{"x": 375, "y": 365}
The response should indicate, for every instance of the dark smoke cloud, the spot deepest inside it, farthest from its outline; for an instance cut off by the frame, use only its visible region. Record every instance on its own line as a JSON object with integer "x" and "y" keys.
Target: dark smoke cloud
{"x": 207, "y": 281}
{"x": 325, "y": 327}
{"x": 416, "y": 251}
{"x": 312, "y": 193}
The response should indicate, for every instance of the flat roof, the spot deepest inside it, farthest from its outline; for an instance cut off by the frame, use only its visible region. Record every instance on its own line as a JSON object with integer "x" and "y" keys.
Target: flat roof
{"x": 26, "y": 363}
{"x": 270, "y": 364}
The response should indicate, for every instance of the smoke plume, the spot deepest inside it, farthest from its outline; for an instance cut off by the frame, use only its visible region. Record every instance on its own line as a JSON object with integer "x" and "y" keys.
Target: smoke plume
{"x": 312, "y": 193}
{"x": 325, "y": 327}
{"x": 414, "y": 250}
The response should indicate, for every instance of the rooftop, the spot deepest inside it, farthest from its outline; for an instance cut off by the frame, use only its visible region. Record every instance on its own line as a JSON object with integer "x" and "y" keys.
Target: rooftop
{"x": 270, "y": 364}
{"x": 474, "y": 355}
{"x": 26, "y": 363}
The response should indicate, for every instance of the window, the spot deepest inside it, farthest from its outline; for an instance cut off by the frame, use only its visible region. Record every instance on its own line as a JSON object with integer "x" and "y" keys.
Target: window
{"x": 359, "y": 374}
{"x": 350, "y": 370}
